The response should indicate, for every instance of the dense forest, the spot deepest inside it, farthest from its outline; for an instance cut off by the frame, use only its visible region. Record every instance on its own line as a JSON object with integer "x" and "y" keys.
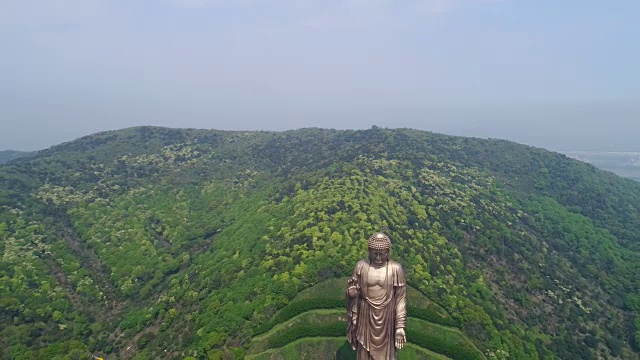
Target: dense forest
{"x": 153, "y": 243}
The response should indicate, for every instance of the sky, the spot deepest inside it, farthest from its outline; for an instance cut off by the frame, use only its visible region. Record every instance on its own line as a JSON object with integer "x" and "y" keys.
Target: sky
{"x": 548, "y": 73}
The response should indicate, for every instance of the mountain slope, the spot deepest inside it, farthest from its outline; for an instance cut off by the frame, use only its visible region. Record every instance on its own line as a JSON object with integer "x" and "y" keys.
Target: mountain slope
{"x": 147, "y": 239}
{"x": 8, "y": 155}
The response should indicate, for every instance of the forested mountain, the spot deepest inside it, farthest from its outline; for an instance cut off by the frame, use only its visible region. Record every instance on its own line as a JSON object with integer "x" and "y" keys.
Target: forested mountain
{"x": 8, "y": 155}
{"x": 170, "y": 243}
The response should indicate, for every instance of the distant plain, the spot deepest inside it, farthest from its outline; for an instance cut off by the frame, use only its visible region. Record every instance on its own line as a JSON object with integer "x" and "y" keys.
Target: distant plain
{"x": 625, "y": 164}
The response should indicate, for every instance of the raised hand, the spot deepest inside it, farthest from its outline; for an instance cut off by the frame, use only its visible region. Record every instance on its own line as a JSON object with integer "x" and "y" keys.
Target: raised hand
{"x": 352, "y": 287}
{"x": 401, "y": 338}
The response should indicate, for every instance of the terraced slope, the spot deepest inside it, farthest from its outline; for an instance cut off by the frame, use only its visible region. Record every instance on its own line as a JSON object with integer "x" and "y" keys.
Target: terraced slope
{"x": 313, "y": 326}
{"x": 322, "y": 348}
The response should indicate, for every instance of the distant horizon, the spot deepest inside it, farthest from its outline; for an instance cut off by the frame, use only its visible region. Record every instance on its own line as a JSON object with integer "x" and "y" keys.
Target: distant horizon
{"x": 544, "y": 73}
{"x": 616, "y": 140}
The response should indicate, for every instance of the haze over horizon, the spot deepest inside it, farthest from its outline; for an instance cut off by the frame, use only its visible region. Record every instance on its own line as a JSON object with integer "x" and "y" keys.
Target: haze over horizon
{"x": 538, "y": 72}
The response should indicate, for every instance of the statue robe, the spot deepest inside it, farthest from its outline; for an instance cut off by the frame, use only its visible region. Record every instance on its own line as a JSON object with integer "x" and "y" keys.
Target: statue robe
{"x": 373, "y": 321}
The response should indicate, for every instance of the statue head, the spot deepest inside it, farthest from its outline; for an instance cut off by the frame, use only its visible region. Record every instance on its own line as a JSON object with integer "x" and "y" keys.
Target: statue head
{"x": 379, "y": 247}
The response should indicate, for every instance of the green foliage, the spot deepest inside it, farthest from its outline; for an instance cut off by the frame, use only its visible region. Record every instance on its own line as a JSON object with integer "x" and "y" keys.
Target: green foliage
{"x": 636, "y": 337}
{"x": 297, "y": 308}
{"x": 153, "y": 239}
{"x": 8, "y": 155}
{"x": 442, "y": 340}
{"x": 430, "y": 316}
{"x": 68, "y": 350}
{"x": 311, "y": 330}
{"x": 320, "y": 348}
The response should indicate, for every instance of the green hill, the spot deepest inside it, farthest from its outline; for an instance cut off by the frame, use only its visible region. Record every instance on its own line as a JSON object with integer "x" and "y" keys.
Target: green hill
{"x": 171, "y": 243}
{"x": 8, "y": 155}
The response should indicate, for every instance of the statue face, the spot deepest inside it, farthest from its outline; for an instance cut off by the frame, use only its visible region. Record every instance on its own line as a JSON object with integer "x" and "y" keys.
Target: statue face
{"x": 378, "y": 257}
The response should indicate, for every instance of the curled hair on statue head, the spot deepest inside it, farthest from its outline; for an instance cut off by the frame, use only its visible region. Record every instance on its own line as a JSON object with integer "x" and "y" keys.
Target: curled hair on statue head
{"x": 379, "y": 241}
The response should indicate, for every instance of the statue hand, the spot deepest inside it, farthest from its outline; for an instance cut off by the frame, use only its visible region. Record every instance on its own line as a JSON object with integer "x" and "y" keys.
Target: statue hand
{"x": 401, "y": 338}
{"x": 352, "y": 287}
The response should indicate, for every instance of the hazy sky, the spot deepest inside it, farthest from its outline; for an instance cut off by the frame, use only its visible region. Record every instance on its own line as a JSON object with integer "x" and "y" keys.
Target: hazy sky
{"x": 532, "y": 71}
